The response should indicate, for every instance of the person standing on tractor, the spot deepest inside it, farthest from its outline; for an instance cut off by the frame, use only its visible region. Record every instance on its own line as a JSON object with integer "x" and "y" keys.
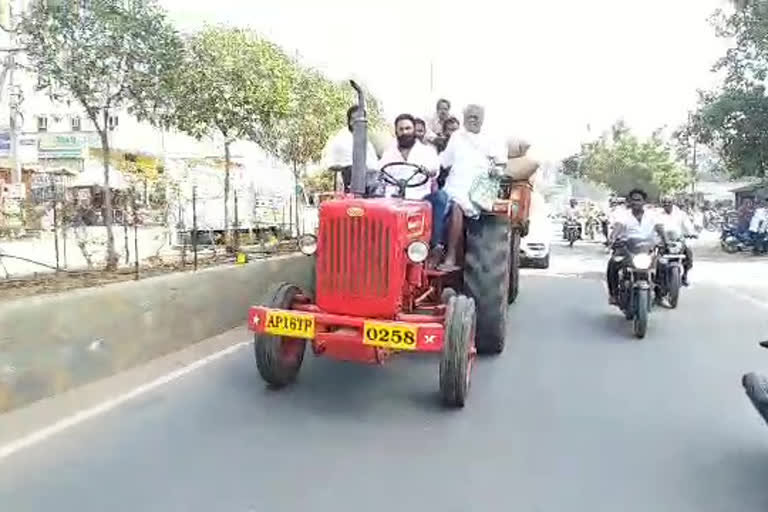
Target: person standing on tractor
{"x": 338, "y": 152}
{"x": 467, "y": 157}
{"x": 420, "y": 128}
{"x": 435, "y": 123}
{"x": 449, "y": 126}
{"x": 409, "y": 149}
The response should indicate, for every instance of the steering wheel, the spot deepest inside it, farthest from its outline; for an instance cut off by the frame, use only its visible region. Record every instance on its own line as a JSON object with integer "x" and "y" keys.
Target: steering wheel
{"x": 406, "y": 183}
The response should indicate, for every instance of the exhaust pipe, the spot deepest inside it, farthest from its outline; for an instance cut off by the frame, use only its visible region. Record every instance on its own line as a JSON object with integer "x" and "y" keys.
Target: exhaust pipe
{"x": 359, "y": 143}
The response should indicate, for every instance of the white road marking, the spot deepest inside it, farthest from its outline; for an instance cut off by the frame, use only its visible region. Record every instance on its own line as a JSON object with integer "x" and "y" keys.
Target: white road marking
{"x": 746, "y": 297}
{"x": 86, "y": 414}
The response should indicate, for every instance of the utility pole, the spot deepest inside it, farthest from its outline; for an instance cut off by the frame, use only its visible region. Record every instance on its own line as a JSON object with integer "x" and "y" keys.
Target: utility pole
{"x": 14, "y": 92}
{"x": 693, "y": 162}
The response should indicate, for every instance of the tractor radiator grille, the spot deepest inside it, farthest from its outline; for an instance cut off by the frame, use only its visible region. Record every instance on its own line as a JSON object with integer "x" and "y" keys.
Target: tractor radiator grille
{"x": 354, "y": 257}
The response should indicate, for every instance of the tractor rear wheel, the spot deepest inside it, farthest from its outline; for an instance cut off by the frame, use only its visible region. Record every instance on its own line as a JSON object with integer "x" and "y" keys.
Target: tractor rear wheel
{"x": 486, "y": 278}
{"x": 277, "y": 358}
{"x": 458, "y": 351}
{"x": 514, "y": 265}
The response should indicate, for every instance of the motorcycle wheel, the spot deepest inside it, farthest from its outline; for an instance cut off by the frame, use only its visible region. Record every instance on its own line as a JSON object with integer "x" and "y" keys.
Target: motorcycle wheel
{"x": 640, "y": 325}
{"x": 674, "y": 284}
{"x": 729, "y": 248}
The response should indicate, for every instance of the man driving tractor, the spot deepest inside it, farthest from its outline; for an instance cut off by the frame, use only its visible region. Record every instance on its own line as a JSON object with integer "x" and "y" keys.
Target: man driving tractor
{"x": 407, "y": 148}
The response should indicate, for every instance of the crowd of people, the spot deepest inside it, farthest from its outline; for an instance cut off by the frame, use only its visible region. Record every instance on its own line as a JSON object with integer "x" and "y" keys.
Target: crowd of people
{"x": 450, "y": 153}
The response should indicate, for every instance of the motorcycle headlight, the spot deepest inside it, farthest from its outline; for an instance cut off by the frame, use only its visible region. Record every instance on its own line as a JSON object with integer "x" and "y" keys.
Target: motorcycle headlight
{"x": 642, "y": 260}
{"x": 417, "y": 251}
{"x": 308, "y": 244}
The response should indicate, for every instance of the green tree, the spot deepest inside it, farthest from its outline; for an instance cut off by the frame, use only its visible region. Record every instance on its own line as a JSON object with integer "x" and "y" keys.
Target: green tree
{"x": 733, "y": 120}
{"x": 317, "y": 109}
{"x": 571, "y": 166}
{"x": 231, "y": 83}
{"x": 106, "y": 55}
{"x": 623, "y": 161}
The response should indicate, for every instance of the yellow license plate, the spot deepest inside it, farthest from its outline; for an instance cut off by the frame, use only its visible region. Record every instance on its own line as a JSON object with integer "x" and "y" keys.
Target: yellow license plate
{"x": 291, "y": 325}
{"x": 395, "y": 337}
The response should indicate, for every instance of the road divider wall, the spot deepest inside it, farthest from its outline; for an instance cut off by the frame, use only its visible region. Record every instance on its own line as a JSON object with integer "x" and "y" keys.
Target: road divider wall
{"x": 52, "y": 343}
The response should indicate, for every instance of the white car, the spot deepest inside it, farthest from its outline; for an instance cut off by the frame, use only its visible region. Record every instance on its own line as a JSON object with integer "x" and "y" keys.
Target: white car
{"x": 534, "y": 248}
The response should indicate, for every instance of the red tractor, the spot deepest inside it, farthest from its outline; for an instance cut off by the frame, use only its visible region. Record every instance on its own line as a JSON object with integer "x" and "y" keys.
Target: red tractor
{"x": 376, "y": 297}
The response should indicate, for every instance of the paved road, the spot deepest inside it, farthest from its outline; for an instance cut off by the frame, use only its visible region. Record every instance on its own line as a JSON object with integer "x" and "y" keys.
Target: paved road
{"x": 575, "y": 416}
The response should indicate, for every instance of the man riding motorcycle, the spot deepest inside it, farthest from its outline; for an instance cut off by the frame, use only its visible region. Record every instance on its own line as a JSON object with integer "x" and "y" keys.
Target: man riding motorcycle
{"x": 677, "y": 221}
{"x": 572, "y": 215}
{"x": 637, "y": 226}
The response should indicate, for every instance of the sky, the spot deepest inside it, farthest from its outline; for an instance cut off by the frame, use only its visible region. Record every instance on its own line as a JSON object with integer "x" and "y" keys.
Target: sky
{"x": 544, "y": 70}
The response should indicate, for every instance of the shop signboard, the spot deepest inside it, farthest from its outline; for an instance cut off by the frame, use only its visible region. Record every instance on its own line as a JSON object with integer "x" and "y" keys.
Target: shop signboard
{"x": 60, "y": 146}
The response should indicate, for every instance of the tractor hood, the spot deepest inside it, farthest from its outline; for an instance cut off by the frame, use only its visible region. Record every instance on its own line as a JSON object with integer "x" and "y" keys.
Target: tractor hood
{"x": 361, "y": 253}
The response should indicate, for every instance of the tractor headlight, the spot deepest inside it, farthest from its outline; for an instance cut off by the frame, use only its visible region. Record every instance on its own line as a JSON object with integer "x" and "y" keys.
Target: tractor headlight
{"x": 308, "y": 244}
{"x": 418, "y": 251}
{"x": 642, "y": 261}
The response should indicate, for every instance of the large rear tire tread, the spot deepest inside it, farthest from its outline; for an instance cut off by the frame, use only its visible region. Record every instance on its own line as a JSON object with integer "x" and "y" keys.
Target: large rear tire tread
{"x": 486, "y": 279}
{"x": 455, "y": 363}
{"x": 640, "y": 325}
{"x": 514, "y": 266}
{"x": 274, "y": 369}
{"x": 675, "y": 282}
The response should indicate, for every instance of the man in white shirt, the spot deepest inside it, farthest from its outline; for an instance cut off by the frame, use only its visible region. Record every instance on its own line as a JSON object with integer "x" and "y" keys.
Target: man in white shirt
{"x": 435, "y": 123}
{"x": 636, "y": 225}
{"x": 337, "y": 155}
{"x": 407, "y": 148}
{"x": 468, "y": 155}
{"x": 758, "y": 225}
{"x": 677, "y": 222}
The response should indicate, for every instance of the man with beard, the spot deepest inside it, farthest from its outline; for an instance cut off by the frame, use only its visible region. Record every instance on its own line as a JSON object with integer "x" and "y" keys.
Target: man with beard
{"x": 409, "y": 149}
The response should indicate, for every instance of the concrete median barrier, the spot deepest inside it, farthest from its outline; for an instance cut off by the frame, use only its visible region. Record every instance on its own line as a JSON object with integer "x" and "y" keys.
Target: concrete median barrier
{"x": 52, "y": 343}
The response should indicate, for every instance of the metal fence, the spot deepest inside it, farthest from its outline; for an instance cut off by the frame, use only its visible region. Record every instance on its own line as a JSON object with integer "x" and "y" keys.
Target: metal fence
{"x": 55, "y": 231}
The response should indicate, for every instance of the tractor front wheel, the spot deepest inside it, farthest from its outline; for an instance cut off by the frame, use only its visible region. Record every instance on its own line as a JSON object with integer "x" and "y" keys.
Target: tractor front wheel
{"x": 278, "y": 358}
{"x": 458, "y": 351}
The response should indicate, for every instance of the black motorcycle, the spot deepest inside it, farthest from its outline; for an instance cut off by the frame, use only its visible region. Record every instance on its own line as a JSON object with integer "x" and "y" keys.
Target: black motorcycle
{"x": 756, "y": 387}
{"x": 636, "y": 275}
{"x": 669, "y": 271}
{"x": 572, "y": 231}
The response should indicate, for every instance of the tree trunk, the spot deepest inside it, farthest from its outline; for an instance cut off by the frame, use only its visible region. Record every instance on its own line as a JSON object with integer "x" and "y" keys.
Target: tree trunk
{"x": 227, "y": 234}
{"x": 296, "y": 195}
{"x": 111, "y": 263}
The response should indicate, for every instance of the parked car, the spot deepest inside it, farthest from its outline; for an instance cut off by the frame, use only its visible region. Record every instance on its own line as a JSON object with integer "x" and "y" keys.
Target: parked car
{"x": 534, "y": 248}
